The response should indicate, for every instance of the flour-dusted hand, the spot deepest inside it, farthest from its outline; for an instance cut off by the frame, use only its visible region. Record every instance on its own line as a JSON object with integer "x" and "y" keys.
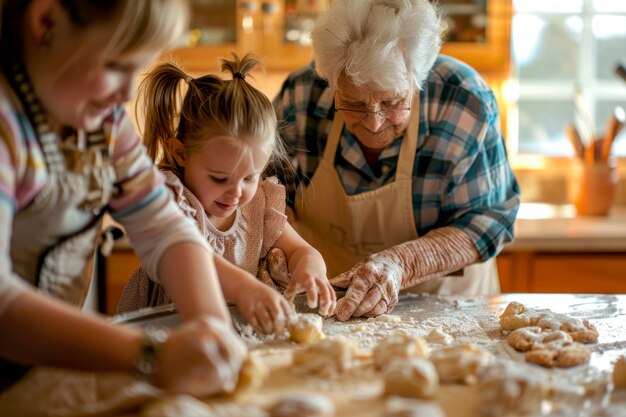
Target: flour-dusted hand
{"x": 309, "y": 276}
{"x": 264, "y": 308}
{"x": 203, "y": 357}
{"x": 373, "y": 285}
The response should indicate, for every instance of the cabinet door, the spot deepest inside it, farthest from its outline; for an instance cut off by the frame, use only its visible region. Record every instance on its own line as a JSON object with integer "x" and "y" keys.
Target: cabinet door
{"x": 478, "y": 32}
{"x": 579, "y": 273}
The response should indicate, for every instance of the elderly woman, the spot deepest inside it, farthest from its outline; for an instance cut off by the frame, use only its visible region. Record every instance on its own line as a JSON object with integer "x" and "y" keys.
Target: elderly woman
{"x": 401, "y": 172}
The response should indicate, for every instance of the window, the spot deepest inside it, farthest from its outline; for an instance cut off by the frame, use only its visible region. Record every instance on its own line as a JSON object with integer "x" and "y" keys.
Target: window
{"x": 560, "y": 47}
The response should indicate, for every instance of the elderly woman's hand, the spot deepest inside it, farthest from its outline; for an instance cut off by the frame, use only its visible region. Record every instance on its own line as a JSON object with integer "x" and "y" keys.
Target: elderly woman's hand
{"x": 203, "y": 357}
{"x": 373, "y": 287}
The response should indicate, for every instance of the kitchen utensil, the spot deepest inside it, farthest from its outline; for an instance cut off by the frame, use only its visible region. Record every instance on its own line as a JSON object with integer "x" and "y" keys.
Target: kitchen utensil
{"x": 584, "y": 121}
{"x": 616, "y": 123}
{"x": 575, "y": 140}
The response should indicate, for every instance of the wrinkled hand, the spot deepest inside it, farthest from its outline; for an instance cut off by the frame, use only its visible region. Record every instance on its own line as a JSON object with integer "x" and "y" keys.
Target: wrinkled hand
{"x": 265, "y": 309}
{"x": 201, "y": 358}
{"x": 373, "y": 287}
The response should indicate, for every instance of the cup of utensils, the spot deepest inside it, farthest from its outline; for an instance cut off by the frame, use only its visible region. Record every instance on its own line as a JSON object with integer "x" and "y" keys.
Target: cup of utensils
{"x": 592, "y": 184}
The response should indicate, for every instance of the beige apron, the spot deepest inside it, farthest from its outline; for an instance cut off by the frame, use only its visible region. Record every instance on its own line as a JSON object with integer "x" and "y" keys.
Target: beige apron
{"x": 348, "y": 228}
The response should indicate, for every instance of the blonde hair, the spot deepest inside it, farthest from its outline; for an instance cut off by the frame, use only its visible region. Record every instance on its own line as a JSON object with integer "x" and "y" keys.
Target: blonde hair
{"x": 140, "y": 25}
{"x": 210, "y": 107}
{"x": 391, "y": 44}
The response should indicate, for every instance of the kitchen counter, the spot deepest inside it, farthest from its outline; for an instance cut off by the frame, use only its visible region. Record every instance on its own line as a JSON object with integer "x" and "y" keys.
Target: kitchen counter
{"x": 358, "y": 391}
{"x": 557, "y": 228}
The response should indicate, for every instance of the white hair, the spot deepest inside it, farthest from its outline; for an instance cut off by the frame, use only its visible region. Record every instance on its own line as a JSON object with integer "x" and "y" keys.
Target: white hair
{"x": 391, "y": 44}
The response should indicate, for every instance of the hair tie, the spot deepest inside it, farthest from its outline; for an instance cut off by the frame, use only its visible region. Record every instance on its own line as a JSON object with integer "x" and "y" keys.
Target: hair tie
{"x": 239, "y": 75}
{"x": 189, "y": 79}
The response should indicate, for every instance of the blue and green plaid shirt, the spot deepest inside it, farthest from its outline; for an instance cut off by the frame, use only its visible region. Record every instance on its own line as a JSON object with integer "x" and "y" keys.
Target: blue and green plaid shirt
{"x": 461, "y": 175}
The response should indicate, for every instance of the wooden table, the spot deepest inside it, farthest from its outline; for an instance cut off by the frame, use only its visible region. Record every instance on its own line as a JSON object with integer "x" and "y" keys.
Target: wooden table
{"x": 468, "y": 319}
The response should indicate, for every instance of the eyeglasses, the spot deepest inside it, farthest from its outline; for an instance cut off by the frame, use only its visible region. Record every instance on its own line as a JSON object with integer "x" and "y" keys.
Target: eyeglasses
{"x": 384, "y": 113}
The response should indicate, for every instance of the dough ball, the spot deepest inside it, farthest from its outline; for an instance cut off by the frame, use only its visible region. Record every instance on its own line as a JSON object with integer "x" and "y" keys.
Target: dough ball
{"x": 303, "y": 404}
{"x": 404, "y": 407}
{"x": 306, "y": 328}
{"x": 252, "y": 374}
{"x": 619, "y": 373}
{"x": 399, "y": 346}
{"x": 459, "y": 364}
{"x": 176, "y": 406}
{"x": 437, "y": 337}
{"x": 327, "y": 358}
{"x": 414, "y": 378}
{"x": 510, "y": 388}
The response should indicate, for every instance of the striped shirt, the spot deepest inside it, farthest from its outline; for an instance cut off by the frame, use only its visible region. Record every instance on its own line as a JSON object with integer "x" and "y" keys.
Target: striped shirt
{"x": 461, "y": 174}
{"x": 143, "y": 205}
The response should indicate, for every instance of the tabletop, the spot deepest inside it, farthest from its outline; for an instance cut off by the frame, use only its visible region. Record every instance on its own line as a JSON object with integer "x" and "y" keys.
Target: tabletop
{"x": 359, "y": 391}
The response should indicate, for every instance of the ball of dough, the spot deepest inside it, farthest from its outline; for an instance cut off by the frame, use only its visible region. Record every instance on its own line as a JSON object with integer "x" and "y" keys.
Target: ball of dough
{"x": 399, "y": 346}
{"x": 252, "y": 374}
{"x": 328, "y": 358}
{"x": 404, "y": 407}
{"x": 413, "y": 378}
{"x": 176, "y": 406}
{"x": 303, "y": 404}
{"x": 511, "y": 388}
{"x": 460, "y": 363}
{"x": 306, "y": 328}
{"x": 619, "y": 373}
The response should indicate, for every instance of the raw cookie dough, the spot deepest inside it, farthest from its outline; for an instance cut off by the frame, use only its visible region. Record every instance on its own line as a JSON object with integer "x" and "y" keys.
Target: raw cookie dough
{"x": 619, "y": 373}
{"x": 328, "y": 358}
{"x": 252, "y": 374}
{"x": 438, "y": 337}
{"x": 399, "y": 346}
{"x": 176, "y": 406}
{"x": 460, "y": 363}
{"x": 527, "y": 338}
{"x": 559, "y": 354}
{"x": 413, "y": 378}
{"x": 306, "y": 328}
{"x": 516, "y": 315}
{"x": 403, "y": 407}
{"x": 303, "y": 404}
{"x": 512, "y": 389}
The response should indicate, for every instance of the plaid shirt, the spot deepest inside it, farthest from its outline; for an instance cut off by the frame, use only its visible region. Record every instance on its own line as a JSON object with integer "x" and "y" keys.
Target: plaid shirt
{"x": 461, "y": 175}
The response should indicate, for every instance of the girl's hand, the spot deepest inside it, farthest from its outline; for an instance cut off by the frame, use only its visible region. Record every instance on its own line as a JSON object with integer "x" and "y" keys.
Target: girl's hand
{"x": 202, "y": 357}
{"x": 264, "y": 308}
{"x": 319, "y": 292}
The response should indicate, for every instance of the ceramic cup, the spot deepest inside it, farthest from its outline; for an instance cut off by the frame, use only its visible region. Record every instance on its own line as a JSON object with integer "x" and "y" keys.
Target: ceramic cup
{"x": 591, "y": 188}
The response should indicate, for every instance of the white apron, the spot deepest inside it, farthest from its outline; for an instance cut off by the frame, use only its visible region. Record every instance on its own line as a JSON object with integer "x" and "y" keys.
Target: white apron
{"x": 348, "y": 228}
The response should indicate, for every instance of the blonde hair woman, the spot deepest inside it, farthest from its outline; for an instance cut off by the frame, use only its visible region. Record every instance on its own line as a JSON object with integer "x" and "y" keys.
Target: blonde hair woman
{"x": 68, "y": 153}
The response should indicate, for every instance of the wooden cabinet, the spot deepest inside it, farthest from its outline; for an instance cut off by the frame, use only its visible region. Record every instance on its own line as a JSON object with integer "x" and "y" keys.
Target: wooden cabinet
{"x": 478, "y": 32}
{"x": 117, "y": 269}
{"x": 562, "y": 272}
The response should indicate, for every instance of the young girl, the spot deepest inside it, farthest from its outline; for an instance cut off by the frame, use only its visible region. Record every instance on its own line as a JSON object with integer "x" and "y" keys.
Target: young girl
{"x": 213, "y": 159}
{"x": 68, "y": 153}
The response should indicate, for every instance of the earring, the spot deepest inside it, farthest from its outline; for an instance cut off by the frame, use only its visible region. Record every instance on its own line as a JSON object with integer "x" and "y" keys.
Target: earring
{"x": 46, "y": 36}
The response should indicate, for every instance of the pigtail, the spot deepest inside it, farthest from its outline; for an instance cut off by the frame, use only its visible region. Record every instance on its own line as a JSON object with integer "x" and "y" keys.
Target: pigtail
{"x": 160, "y": 97}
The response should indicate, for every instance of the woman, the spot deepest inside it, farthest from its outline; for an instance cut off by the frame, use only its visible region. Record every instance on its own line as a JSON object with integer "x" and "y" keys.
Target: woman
{"x": 403, "y": 176}
{"x": 68, "y": 153}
